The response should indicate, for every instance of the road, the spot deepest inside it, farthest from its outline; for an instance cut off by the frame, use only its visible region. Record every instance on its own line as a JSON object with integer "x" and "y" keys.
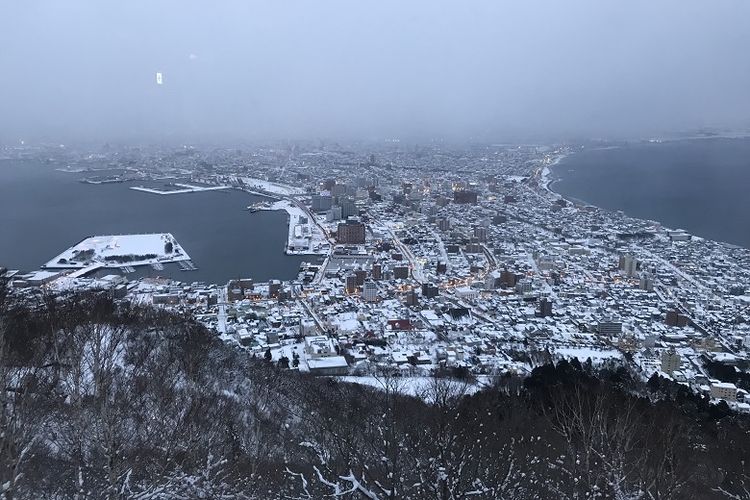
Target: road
{"x": 313, "y": 315}
{"x": 221, "y": 316}
{"x": 417, "y": 273}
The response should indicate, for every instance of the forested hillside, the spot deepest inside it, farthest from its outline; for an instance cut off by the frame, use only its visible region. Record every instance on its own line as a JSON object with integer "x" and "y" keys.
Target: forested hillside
{"x": 105, "y": 399}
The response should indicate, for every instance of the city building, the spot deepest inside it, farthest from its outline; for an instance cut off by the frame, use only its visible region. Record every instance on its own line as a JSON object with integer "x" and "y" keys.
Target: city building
{"x": 328, "y": 367}
{"x": 411, "y": 298}
{"x": 610, "y": 328}
{"x": 274, "y": 288}
{"x": 430, "y": 290}
{"x": 348, "y": 208}
{"x": 724, "y": 390}
{"x": 334, "y": 214}
{"x": 508, "y": 279}
{"x": 545, "y": 308}
{"x": 670, "y": 361}
{"x": 351, "y": 284}
{"x": 369, "y": 291}
{"x": 524, "y": 286}
{"x": 646, "y": 282}
{"x": 675, "y": 318}
{"x": 628, "y": 265}
{"x": 465, "y": 197}
{"x": 361, "y": 275}
{"x": 321, "y": 202}
{"x": 401, "y": 272}
{"x": 351, "y": 232}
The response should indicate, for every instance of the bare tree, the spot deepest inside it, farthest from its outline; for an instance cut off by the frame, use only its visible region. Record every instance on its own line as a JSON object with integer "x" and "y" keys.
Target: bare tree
{"x": 611, "y": 449}
{"x": 21, "y": 427}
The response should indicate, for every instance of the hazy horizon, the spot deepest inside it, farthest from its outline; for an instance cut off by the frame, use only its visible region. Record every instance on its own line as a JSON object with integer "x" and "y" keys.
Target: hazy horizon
{"x": 86, "y": 71}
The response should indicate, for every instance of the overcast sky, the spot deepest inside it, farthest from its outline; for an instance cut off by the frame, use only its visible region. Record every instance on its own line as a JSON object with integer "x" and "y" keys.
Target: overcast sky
{"x": 358, "y": 69}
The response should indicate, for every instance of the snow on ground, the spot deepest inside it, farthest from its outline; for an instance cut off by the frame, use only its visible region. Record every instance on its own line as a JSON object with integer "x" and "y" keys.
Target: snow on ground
{"x": 287, "y": 348}
{"x": 304, "y": 236}
{"x": 584, "y": 353}
{"x": 271, "y": 187}
{"x": 412, "y": 386}
{"x": 186, "y": 188}
{"x": 119, "y": 251}
{"x": 345, "y": 322}
{"x": 546, "y": 179}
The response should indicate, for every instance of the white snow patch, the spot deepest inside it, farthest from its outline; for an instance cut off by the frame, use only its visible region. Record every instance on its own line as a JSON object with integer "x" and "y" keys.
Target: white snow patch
{"x": 122, "y": 250}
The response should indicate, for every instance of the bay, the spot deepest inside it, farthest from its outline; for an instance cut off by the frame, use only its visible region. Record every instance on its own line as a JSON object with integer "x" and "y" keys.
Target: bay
{"x": 44, "y": 211}
{"x": 700, "y": 185}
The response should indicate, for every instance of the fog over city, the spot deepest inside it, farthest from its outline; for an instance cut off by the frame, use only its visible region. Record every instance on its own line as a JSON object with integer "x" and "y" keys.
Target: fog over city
{"x": 374, "y": 249}
{"x": 479, "y": 70}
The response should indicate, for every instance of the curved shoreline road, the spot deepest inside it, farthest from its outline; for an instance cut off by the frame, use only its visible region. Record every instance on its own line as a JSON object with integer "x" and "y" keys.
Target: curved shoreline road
{"x": 284, "y": 193}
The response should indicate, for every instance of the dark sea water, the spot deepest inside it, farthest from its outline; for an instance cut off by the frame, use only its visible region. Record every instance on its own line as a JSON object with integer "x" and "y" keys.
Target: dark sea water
{"x": 43, "y": 212}
{"x": 702, "y": 185}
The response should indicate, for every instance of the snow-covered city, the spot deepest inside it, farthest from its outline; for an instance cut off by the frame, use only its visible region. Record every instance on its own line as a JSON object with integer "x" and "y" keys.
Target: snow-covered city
{"x": 474, "y": 263}
{"x": 374, "y": 250}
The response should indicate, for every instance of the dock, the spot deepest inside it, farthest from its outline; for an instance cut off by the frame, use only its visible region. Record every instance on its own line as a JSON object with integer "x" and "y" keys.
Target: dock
{"x": 185, "y": 188}
{"x": 187, "y": 265}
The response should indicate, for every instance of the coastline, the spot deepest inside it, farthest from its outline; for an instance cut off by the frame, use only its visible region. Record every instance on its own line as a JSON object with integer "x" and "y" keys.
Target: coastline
{"x": 549, "y": 187}
{"x": 305, "y": 236}
{"x": 200, "y": 220}
{"x": 548, "y": 179}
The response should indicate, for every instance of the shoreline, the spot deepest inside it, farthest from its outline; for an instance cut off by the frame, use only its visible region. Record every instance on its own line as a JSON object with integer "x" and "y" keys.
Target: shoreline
{"x": 548, "y": 186}
{"x": 304, "y": 237}
{"x": 300, "y": 233}
{"x": 282, "y": 264}
{"x": 549, "y": 183}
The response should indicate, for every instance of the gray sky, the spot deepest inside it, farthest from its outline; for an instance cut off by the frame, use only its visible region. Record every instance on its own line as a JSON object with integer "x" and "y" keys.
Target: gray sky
{"x": 485, "y": 69}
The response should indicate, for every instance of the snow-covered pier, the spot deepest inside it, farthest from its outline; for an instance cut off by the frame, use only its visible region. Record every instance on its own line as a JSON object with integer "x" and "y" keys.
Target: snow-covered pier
{"x": 305, "y": 237}
{"x": 123, "y": 251}
{"x": 185, "y": 188}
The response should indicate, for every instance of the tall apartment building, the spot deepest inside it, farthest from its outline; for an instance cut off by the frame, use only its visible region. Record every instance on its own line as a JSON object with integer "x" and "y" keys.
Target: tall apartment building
{"x": 351, "y": 232}
{"x": 369, "y": 291}
{"x": 321, "y": 202}
{"x": 670, "y": 361}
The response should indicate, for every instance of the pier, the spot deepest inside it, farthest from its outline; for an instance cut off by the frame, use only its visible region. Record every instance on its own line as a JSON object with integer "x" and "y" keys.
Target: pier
{"x": 185, "y": 188}
{"x": 187, "y": 265}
